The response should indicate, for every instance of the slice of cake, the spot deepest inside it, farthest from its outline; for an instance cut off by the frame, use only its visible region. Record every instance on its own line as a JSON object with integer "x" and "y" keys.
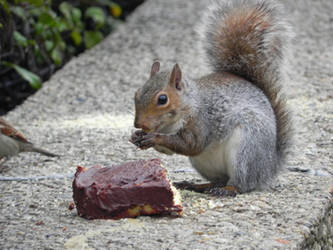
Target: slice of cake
{"x": 127, "y": 190}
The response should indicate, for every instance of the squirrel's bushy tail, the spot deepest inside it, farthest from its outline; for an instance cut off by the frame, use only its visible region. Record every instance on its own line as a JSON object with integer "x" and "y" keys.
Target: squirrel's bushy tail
{"x": 249, "y": 38}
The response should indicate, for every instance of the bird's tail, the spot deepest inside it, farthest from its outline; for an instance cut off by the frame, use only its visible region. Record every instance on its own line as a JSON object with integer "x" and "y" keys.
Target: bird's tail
{"x": 31, "y": 148}
{"x": 43, "y": 152}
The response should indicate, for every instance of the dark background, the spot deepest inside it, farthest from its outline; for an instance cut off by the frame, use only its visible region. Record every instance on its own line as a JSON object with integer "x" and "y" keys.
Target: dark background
{"x": 13, "y": 88}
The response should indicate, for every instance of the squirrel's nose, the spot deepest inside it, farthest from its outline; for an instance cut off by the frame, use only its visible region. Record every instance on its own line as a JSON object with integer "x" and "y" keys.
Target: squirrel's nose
{"x": 136, "y": 122}
{"x": 136, "y": 125}
{"x": 140, "y": 125}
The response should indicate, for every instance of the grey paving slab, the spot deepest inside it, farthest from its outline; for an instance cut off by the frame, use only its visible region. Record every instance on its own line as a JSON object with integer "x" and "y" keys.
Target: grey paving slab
{"x": 85, "y": 113}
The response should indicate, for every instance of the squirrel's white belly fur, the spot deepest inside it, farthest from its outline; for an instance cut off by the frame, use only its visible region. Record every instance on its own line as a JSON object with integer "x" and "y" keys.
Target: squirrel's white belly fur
{"x": 219, "y": 157}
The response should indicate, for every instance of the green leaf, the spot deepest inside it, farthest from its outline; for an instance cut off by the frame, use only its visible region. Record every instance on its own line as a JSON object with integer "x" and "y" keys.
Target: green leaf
{"x": 35, "y": 12}
{"x": 56, "y": 56}
{"x": 91, "y": 38}
{"x": 33, "y": 79}
{"x": 5, "y": 6}
{"x": 49, "y": 44}
{"x": 32, "y": 42}
{"x": 18, "y": 11}
{"x": 47, "y": 34}
{"x": 59, "y": 41}
{"x": 77, "y": 15}
{"x": 63, "y": 25}
{"x": 97, "y": 14}
{"x": 116, "y": 10}
{"x": 33, "y": 2}
{"x": 1, "y": 25}
{"x": 72, "y": 15}
{"x": 65, "y": 9}
{"x": 20, "y": 39}
{"x": 36, "y": 49}
{"x": 39, "y": 55}
{"x": 62, "y": 45}
{"x": 38, "y": 28}
{"x": 47, "y": 19}
{"x": 76, "y": 37}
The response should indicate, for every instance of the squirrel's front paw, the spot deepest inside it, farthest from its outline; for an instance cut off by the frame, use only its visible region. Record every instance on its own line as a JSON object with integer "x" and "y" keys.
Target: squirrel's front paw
{"x": 143, "y": 140}
{"x": 147, "y": 141}
{"x": 137, "y": 137}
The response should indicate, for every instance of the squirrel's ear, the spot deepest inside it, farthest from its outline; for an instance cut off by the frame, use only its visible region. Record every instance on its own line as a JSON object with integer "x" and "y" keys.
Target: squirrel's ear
{"x": 155, "y": 68}
{"x": 176, "y": 77}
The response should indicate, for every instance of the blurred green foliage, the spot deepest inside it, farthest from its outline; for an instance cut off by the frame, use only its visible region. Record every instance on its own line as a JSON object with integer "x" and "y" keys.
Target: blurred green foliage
{"x": 50, "y": 32}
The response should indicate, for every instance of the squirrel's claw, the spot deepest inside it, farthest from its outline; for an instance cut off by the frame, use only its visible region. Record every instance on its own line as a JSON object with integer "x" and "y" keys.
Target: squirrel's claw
{"x": 142, "y": 139}
{"x": 147, "y": 141}
{"x": 136, "y": 137}
{"x": 230, "y": 191}
{"x": 196, "y": 187}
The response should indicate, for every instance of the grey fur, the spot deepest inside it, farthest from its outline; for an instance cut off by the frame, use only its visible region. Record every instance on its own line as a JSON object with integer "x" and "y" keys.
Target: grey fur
{"x": 151, "y": 88}
{"x": 258, "y": 56}
{"x": 235, "y": 127}
{"x": 240, "y": 104}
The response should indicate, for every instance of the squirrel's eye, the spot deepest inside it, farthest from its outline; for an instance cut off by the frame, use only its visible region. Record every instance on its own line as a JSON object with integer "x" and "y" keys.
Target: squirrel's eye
{"x": 162, "y": 99}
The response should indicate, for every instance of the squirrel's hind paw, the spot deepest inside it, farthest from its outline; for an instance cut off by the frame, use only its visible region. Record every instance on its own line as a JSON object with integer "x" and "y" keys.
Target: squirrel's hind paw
{"x": 230, "y": 191}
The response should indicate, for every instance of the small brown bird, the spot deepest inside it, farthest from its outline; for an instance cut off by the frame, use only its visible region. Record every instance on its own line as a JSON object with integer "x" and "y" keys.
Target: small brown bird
{"x": 13, "y": 142}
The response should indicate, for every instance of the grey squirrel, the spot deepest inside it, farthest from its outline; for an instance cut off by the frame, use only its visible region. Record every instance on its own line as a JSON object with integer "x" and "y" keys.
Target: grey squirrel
{"x": 232, "y": 123}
